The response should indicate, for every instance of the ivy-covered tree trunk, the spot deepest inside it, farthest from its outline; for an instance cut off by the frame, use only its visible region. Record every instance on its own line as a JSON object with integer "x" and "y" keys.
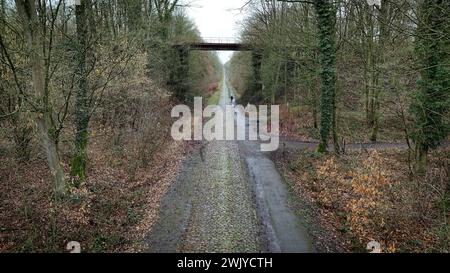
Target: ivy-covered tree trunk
{"x": 326, "y": 19}
{"x": 431, "y": 101}
{"x": 78, "y": 165}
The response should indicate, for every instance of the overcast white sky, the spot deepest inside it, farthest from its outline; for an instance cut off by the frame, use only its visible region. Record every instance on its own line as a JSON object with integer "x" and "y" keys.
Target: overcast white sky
{"x": 217, "y": 18}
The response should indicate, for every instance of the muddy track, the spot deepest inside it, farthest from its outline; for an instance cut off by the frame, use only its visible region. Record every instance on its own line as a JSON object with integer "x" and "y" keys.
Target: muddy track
{"x": 228, "y": 197}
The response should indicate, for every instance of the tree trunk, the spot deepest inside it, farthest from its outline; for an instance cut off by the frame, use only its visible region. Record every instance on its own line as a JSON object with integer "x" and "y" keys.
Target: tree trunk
{"x": 327, "y": 45}
{"x": 112, "y": 17}
{"x": 33, "y": 35}
{"x": 2, "y": 14}
{"x": 275, "y": 86}
{"x": 337, "y": 148}
{"x": 376, "y": 64}
{"x": 431, "y": 100}
{"x": 78, "y": 165}
{"x": 421, "y": 160}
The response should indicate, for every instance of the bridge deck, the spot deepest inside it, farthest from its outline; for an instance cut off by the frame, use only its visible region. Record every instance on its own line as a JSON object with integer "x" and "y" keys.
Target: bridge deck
{"x": 218, "y": 46}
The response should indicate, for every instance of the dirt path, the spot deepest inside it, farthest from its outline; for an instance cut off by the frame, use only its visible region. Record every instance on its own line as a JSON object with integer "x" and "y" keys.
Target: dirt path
{"x": 302, "y": 145}
{"x": 228, "y": 197}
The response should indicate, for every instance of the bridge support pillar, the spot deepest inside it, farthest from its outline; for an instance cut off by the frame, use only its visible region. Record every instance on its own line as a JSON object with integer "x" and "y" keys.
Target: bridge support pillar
{"x": 257, "y": 86}
{"x": 181, "y": 77}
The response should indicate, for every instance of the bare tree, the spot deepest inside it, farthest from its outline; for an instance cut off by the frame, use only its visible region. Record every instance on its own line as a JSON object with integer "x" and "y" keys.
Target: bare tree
{"x": 38, "y": 62}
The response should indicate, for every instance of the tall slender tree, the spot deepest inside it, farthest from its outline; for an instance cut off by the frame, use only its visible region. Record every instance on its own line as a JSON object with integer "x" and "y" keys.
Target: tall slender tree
{"x": 39, "y": 65}
{"x": 431, "y": 101}
{"x": 82, "y": 108}
{"x": 326, "y": 19}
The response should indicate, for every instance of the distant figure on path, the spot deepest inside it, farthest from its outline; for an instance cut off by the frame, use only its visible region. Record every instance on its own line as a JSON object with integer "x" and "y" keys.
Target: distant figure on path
{"x": 233, "y": 101}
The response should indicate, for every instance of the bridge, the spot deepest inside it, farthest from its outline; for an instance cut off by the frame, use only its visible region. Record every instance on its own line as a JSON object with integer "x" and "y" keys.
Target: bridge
{"x": 217, "y": 43}
{"x": 179, "y": 80}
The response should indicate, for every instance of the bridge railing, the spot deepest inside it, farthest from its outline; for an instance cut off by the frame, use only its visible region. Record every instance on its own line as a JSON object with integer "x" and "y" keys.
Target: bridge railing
{"x": 215, "y": 43}
{"x": 221, "y": 40}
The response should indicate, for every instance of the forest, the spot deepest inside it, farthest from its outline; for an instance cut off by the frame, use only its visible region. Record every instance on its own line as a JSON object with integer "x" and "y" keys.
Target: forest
{"x": 85, "y": 108}
{"x": 86, "y": 92}
{"x": 348, "y": 72}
